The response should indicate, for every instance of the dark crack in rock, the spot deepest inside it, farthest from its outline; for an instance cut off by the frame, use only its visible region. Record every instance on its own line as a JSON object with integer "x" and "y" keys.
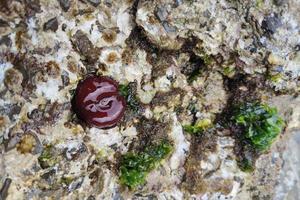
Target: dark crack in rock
{"x": 51, "y": 24}
{"x": 3, "y": 23}
{"x": 5, "y": 188}
{"x": 65, "y": 4}
{"x": 5, "y": 40}
{"x": 279, "y": 2}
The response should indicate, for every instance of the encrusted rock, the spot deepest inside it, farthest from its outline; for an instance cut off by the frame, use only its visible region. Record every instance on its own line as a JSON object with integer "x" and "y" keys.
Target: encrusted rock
{"x": 182, "y": 66}
{"x": 85, "y": 47}
{"x": 271, "y": 23}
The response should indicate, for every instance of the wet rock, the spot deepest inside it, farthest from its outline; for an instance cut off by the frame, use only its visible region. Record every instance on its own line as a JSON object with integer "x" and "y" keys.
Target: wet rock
{"x": 51, "y": 24}
{"x": 141, "y": 196}
{"x": 65, "y": 4}
{"x": 168, "y": 28}
{"x": 85, "y": 47}
{"x": 162, "y": 14}
{"x": 3, "y": 23}
{"x": 159, "y": 34}
{"x": 271, "y": 23}
{"x": 279, "y": 2}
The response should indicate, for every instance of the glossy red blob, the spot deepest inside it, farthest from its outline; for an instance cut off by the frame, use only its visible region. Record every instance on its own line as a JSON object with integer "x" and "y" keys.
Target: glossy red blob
{"x": 98, "y": 103}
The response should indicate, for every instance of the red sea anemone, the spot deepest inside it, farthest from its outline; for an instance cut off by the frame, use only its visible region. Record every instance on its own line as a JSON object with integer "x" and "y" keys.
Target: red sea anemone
{"x": 98, "y": 103}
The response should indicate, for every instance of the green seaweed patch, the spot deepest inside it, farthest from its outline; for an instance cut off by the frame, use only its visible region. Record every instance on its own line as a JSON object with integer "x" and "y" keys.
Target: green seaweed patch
{"x": 260, "y": 3}
{"x": 261, "y": 124}
{"x": 198, "y": 127}
{"x": 124, "y": 90}
{"x": 275, "y": 78}
{"x": 66, "y": 180}
{"x": 229, "y": 71}
{"x": 127, "y": 92}
{"x": 207, "y": 59}
{"x": 47, "y": 157}
{"x": 134, "y": 167}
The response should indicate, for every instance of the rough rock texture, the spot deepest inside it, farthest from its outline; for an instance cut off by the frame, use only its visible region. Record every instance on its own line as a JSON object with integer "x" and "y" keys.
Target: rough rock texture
{"x": 186, "y": 62}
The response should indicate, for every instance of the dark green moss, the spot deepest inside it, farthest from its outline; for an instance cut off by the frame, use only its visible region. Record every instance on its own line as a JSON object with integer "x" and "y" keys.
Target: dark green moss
{"x": 194, "y": 75}
{"x": 123, "y": 90}
{"x": 198, "y": 127}
{"x": 246, "y": 165}
{"x": 261, "y": 124}
{"x": 135, "y": 166}
{"x": 128, "y": 92}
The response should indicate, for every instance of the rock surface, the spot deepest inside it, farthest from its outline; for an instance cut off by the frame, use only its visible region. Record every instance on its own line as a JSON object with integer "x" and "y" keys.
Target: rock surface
{"x": 184, "y": 61}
